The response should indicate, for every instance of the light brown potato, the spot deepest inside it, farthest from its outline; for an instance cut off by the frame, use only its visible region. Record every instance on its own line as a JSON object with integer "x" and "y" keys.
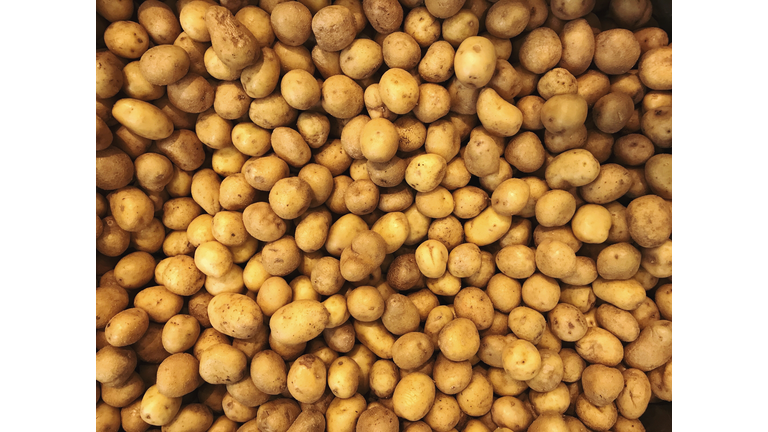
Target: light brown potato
{"x": 126, "y": 327}
{"x": 157, "y": 409}
{"x": 507, "y": 18}
{"x": 126, "y": 39}
{"x": 222, "y": 364}
{"x": 616, "y": 51}
{"x": 541, "y": 50}
{"x": 611, "y": 183}
{"x": 600, "y": 346}
{"x": 650, "y": 220}
{"x": 333, "y": 28}
{"x": 475, "y": 61}
{"x": 307, "y": 379}
{"x": 567, "y": 322}
{"x": 191, "y": 94}
{"x": 385, "y": 16}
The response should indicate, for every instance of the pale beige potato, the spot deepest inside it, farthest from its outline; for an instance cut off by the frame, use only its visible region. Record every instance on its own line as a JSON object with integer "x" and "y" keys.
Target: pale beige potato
{"x": 556, "y": 81}
{"x": 459, "y": 340}
{"x": 650, "y": 220}
{"x": 213, "y": 259}
{"x": 307, "y": 379}
{"x": 436, "y": 204}
{"x": 633, "y": 149}
{"x": 160, "y": 303}
{"x": 413, "y": 396}
{"x": 178, "y": 375}
{"x": 157, "y": 409}
{"x": 625, "y": 294}
{"x": 567, "y": 322}
{"x": 551, "y": 372}
{"x": 459, "y": 27}
{"x": 437, "y": 65}
{"x": 507, "y": 18}
{"x": 434, "y": 103}
{"x": 655, "y": 68}
{"x": 510, "y": 413}
{"x": 361, "y": 59}
{"x": 469, "y": 201}
{"x": 498, "y": 116}
{"x": 333, "y": 27}
{"x": 192, "y": 19}
{"x": 425, "y": 172}
{"x": 658, "y": 174}
{"x": 257, "y": 21}
{"x": 563, "y": 112}
{"x": 540, "y": 50}
{"x": 399, "y": 90}
{"x": 527, "y": 324}
{"x": 591, "y": 223}
{"x": 235, "y": 315}
{"x": 656, "y": 98}
{"x": 222, "y": 364}
{"x": 261, "y": 78}
{"x": 400, "y": 315}
{"x": 126, "y": 327}
{"x": 191, "y": 94}
{"x": 475, "y": 61}
{"x": 180, "y": 333}
{"x": 555, "y": 208}
{"x": 487, "y": 227}
{"x": 578, "y": 42}
{"x": 115, "y": 10}
{"x": 341, "y": 97}
{"x": 618, "y": 261}
{"x": 600, "y": 346}
{"x": 505, "y": 80}
{"x": 379, "y": 140}
{"x": 521, "y": 360}
{"x": 135, "y": 86}
{"x": 611, "y": 183}
{"x": 142, "y": 118}
{"x": 272, "y": 111}
{"x": 616, "y": 51}
{"x": 127, "y": 39}
{"x": 300, "y": 89}
{"x": 400, "y": 50}
{"x": 164, "y": 64}
{"x": 291, "y": 23}
{"x": 658, "y": 261}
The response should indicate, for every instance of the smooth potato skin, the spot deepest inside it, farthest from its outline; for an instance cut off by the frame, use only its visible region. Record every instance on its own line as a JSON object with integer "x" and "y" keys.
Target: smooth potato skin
{"x": 299, "y": 321}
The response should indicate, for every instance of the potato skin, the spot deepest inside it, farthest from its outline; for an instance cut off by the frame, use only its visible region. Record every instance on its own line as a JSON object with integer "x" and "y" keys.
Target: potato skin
{"x": 299, "y": 321}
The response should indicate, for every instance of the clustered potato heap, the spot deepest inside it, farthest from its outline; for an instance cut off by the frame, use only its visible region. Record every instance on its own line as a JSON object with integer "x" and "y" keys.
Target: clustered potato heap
{"x": 382, "y": 215}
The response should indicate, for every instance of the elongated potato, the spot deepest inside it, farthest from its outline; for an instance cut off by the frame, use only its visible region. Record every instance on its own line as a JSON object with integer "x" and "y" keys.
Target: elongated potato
{"x": 299, "y": 321}
{"x": 142, "y": 118}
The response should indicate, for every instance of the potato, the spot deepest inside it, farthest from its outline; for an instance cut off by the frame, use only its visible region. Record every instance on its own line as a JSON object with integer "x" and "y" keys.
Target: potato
{"x": 180, "y": 333}
{"x": 191, "y": 94}
{"x": 413, "y": 396}
{"x": 342, "y": 414}
{"x": 600, "y": 346}
{"x": 616, "y": 51}
{"x": 159, "y": 303}
{"x": 307, "y": 379}
{"x": 334, "y": 28}
{"x": 475, "y": 61}
{"x": 341, "y": 97}
{"x": 507, "y": 19}
{"x": 158, "y": 409}
{"x": 540, "y": 50}
{"x": 400, "y": 315}
{"x": 299, "y": 321}
{"x": 399, "y": 91}
{"x": 222, "y": 364}
{"x": 612, "y": 112}
{"x": 596, "y": 418}
{"x": 126, "y": 327}
{"x": 498, "y": 116}
{"x": 235, "y": 315}
{"x": 652, "y": 349}
{"x": 142, "y": 118}
{"x": 650, "y": 220}
{"x": 114, "y": 10}
{"x": 578, "y": 44}
{"x": 126, "y": 39}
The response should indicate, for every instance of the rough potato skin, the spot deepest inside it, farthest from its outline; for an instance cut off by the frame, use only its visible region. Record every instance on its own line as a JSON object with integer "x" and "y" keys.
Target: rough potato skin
{"x": 385, "y": 16}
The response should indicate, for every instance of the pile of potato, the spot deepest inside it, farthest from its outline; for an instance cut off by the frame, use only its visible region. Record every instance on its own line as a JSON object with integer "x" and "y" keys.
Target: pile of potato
{"x": 382, "y": 215}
